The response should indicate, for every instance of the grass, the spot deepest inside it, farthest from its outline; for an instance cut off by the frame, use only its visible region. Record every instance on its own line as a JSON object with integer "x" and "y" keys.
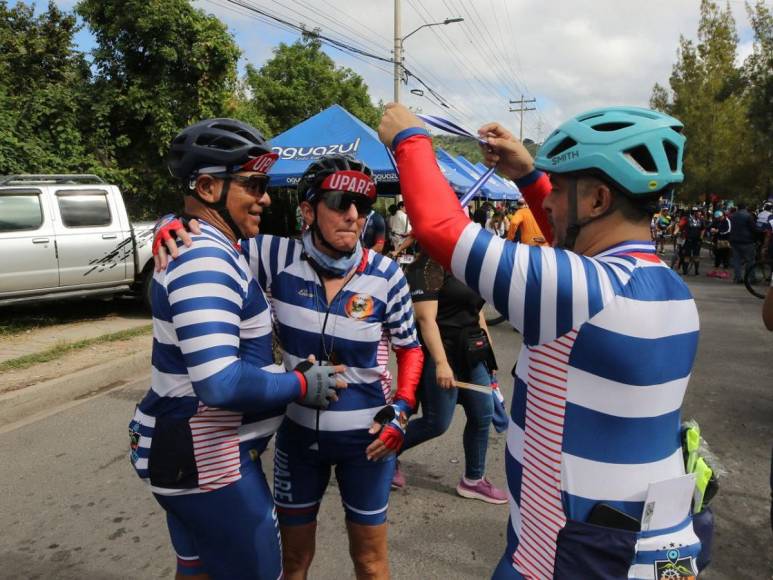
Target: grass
{"x": 60, "y": 350}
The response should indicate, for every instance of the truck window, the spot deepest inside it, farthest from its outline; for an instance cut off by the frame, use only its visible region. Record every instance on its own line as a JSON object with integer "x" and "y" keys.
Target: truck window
{"x": 20, "y": 212}
{"x": 84, "y": 208}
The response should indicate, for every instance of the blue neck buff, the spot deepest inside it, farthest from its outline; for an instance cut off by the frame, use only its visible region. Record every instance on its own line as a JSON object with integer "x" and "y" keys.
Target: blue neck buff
{"x": 333, "y": 267}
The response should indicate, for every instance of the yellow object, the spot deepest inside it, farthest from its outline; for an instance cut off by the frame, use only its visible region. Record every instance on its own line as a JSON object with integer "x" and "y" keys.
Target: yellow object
{"x": 703, "y": 475}
{"x": 692, "y": 438}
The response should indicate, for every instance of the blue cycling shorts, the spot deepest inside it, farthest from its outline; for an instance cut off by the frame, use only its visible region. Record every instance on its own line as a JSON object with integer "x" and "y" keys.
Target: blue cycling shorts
{"x": 230, "y": 533}
{"x": 303, "y": 460}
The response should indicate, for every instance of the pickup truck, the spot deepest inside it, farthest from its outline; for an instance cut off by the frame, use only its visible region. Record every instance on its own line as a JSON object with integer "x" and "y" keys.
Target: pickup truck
{"x": 65, "y": 236}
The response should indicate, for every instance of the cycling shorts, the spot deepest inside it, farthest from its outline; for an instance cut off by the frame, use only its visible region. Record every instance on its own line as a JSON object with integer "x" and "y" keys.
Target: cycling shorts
{"x": 230, "y": 533}
{"x": 692, "y": 248}
{"x": 303, "y": 460}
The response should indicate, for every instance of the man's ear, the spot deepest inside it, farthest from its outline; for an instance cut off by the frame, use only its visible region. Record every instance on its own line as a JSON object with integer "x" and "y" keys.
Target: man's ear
{"x": 601, "y": 198}
{"x": 307, "y": 211}
{"x": 208, "y": 188}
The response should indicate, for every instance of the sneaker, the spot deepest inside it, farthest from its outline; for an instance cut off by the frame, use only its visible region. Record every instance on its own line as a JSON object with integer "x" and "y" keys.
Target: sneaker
{"x": 398, "y": 479}
{"x": 483, "y": 490}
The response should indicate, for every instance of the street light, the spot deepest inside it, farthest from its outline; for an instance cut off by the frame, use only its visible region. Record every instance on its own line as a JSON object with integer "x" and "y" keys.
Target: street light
{"x": 400, "y": 40}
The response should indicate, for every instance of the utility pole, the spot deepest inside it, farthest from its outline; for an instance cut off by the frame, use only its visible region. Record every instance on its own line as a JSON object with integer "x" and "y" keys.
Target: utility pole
{"x": 398, "y": 53}
{"x": 522, "y": 109}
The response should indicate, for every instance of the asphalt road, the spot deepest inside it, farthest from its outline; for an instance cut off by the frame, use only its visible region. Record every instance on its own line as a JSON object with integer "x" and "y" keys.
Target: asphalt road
{"x": 72, "y": 508}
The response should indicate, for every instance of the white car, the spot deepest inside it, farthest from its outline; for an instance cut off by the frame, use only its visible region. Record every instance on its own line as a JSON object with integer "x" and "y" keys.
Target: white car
{"x": 69, "y": 235}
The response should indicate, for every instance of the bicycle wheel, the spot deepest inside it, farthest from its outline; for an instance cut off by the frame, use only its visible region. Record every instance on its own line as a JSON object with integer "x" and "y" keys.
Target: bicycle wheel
{"x": 492, "y": 316}
{"x": 757, "y": 279}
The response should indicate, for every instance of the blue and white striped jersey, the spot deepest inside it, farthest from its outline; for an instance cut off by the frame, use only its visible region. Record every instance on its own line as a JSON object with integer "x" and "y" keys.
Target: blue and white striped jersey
{"x": 213, "y": 383}
{"x": 373, "y": 306}
{"x": 609, "y": 343}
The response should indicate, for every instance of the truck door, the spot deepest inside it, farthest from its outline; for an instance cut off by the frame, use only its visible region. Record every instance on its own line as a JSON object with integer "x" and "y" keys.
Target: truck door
{"x": 27, "y": 250}
{"x": 89, "y": 238}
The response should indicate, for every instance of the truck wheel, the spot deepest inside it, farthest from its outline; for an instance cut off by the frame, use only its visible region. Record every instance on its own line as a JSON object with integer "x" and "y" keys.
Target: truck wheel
{"x": 147, "y": 290}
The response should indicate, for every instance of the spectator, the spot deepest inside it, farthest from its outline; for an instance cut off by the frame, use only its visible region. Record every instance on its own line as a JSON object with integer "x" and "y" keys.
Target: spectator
{"x": 496, "y": 224}
{"x": 743, "y": 234}
{"x": 720, "y": 231}
{"x": 373, "y": 234}
{"x": 523, "y": 222}
{"x": 399, "y": 226}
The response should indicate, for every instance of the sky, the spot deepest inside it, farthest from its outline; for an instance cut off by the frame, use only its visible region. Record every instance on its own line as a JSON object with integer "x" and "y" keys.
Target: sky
{"x": 569, "y": 55}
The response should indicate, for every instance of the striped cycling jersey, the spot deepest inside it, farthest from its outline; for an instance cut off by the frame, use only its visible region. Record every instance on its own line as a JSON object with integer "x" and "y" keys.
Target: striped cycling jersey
{"x": 373, "y": 306}
{"x": 608, "y": 346}
{"x": 211, "y": 340}
{"x": 609, "y": 343}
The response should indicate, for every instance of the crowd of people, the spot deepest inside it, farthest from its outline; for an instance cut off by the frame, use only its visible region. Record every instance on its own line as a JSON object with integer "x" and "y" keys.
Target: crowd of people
{"x": 735, "y": 236}
{"x": 593, "y": 426}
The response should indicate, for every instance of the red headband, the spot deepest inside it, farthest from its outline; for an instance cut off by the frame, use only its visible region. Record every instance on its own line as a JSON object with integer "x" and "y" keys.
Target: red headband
{"x": 352, "y": 181}
{"x": 261, "y": 163}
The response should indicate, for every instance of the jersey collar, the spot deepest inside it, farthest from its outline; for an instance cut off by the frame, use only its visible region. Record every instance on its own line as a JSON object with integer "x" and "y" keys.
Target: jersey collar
{"x": 630, "y": 247}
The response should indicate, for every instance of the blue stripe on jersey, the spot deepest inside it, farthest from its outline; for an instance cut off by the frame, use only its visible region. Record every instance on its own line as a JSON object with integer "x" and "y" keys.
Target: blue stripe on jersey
{"x": 518, "y": 405}
{"x": 204, "y": 277}
{"x": 595, "y": 300}
{"x": 533, "y": 301}
{"x": 606, "y": 438}
{"x": 564, "y": 302}
{"x": 475, "y": 261}
{"x": 580, "y": 507}
{"x": 302, "y": 343}
{"x": 173, "y": 407}
{"x": 514, "y": 473}
{"x": 650, "y": 361}
{"x": 210, "y": 353}
{"x": 168, "y": 358}
{"x": 501, "y": 292}
{"x": 204, "y": 328}
{"x": 657, "y": 284}
{"x": 273, "y": 256}
{"x": 209, "y": 303}
{"x": 360, "y": 396}
{"x": 160, "y": 302}
{"x": 257, "y": 351}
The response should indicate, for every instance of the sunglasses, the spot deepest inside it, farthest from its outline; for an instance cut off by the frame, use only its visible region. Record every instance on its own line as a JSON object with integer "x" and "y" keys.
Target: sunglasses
{"x": 343, "y": 200}
{"x": 256, "y": 185}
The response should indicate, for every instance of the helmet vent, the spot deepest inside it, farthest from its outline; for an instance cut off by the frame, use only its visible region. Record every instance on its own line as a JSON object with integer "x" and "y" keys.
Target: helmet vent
{"x": 677, "y": 128}
{"x": 672, "y": 154}
{"x": 221, "y": 142}
{"x": 236, "y": 130}
{"x": 608, "y": 127}
{"x": 642, "y": 157}
{"x": 567, "y": 143}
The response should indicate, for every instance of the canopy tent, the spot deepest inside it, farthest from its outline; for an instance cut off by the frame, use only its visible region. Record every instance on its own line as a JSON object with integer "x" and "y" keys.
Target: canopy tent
{"x": 449, "y": 160}
{"x": 512, "y": 189}
{"x": 503, "y": 190}
{"x": 334, "y": 130}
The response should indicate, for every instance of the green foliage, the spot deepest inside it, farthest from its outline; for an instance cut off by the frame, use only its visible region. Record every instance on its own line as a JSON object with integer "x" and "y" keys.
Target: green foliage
{"x": 300, "y": 81}
{"x": 711, "y": 96}
{"x": 161, "y": 64}
{"x": 42, "y": 92}
{"x": 459, "y": 146}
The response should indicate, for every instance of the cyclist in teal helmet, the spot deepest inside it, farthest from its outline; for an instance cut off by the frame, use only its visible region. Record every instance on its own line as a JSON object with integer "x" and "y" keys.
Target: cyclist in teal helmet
{"x": 609, "y": 339}
{"x": 624, "y": 158}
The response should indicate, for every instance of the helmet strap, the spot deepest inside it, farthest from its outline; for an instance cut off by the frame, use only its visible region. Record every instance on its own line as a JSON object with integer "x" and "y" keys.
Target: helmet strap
{"x": 220, "y": 207}
{"x": 575, "y": 223}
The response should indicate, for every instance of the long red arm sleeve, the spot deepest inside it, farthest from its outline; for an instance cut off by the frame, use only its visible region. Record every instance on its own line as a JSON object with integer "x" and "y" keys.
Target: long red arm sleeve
{"x": 410, "y": 362}
{"x": 436, "y": 216}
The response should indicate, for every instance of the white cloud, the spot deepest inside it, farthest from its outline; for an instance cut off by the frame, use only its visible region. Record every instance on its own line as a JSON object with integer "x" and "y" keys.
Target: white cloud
{"x": 571, "y": 55}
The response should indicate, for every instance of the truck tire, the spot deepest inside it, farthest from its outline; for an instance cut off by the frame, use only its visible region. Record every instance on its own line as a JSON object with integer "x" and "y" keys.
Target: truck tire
{"x": 147, "y": 289}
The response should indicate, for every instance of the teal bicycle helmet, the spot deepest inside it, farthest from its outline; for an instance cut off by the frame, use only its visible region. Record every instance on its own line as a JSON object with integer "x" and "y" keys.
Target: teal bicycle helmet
{"x": 638, "y": 150}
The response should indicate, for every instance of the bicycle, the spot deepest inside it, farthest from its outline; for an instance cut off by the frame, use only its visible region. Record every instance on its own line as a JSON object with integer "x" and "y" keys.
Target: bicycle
{"x": 757, "y": 278}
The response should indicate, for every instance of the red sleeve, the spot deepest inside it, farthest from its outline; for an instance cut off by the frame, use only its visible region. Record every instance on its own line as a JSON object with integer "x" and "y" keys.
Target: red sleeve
{"x": 534, "y": 194}
{"x": 436, "y": 216}
{"x": 410, "y": 362}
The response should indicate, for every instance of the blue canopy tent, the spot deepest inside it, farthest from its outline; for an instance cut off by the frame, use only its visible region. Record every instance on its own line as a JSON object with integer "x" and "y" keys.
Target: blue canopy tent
{"x": 502, "y": 191}
{"x": 334, "y": 130}
{"x": 458, "y": 181}
{"x": 512, "y": 191}
{"x": 487, "y": 191}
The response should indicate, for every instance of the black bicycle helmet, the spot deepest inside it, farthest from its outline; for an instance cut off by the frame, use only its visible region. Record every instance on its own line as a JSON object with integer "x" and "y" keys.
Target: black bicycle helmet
{"x": 219, "y": 145}
{"x": 312, "y": 181}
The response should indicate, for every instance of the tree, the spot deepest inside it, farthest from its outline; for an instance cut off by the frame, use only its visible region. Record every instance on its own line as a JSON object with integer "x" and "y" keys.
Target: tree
{"x": 706, "y": 94}
{"x": 43, "y": 90}
{"x": 758, "y": 70}
{"x": 160, "y": 65}
{"x": 300, "y": 80}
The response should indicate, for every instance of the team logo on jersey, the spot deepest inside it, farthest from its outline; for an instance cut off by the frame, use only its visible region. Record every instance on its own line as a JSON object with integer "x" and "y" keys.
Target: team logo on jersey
{"x": 359, "y": 306}
{"x": 134, "y": 440}
{"x": 675, "y": 567}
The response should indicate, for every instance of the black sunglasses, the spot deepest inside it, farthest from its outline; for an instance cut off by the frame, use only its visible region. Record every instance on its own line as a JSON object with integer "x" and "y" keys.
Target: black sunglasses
{"x": 256, "y": 185}
{"x": 343, "y": 200}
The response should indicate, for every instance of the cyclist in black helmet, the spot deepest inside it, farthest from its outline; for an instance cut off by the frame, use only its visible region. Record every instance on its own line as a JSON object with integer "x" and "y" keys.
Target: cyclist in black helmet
{"x": 346, "y": 304}
{"x": 215, "y": 397}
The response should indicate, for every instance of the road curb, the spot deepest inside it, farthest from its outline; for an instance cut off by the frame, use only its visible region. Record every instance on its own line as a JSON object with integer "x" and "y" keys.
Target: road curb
{"x": 41, "y": 397}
